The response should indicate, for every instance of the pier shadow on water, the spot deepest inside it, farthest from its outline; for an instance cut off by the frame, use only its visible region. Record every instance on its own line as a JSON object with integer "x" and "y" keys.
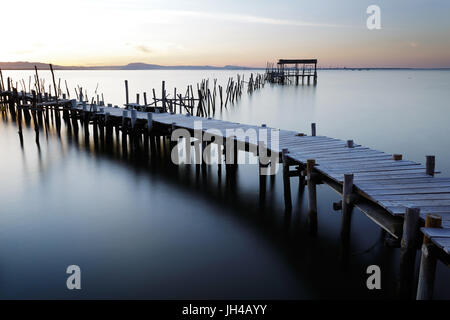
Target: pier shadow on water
{"x": 140, "y": 227}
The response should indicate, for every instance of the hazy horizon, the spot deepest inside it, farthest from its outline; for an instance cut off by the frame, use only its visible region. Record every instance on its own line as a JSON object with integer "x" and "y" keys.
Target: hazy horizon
{"x": 413, "y": 34}
{"x": 105, "y": 67}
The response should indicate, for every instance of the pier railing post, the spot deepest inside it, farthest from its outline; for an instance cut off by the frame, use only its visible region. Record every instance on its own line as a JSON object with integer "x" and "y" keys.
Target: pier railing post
{"x": 286, "y": 181}
{"x": 312, "y": 197}
{"x": 428, "y": 262}
{"x": 430, "y": 165}
{"x": 408, "y": 252}
{"x": 313, "y": 129}
{"x": 350, "y": 144}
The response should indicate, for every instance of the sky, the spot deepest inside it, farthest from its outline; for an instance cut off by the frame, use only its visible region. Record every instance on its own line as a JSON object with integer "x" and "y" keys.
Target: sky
{"x": 233, "y": 32}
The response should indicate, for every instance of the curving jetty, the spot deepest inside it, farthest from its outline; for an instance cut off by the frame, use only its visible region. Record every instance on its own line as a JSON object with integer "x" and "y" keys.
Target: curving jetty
{"x": 397, "y": 194}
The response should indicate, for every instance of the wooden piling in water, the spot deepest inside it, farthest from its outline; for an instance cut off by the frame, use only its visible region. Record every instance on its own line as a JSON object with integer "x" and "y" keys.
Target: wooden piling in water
{"x": 286, "y": 181}
{"x": 312, "y": 196}
{"x": 428, "y": 261}
{"x": 127, "y": 101}
{"x": 262, "y": 176}
{"x": 347, "y": 209}
{"x": 408, "y": 252}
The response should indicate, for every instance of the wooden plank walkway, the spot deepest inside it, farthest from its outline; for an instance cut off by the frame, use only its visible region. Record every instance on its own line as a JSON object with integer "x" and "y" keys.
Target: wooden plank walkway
{"x": 393, "y": 184}
{"x": 391, "y": 191}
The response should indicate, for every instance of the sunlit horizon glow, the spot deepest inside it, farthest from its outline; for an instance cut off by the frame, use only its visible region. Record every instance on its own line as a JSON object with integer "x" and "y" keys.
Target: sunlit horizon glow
{"x": 244, "y": 33}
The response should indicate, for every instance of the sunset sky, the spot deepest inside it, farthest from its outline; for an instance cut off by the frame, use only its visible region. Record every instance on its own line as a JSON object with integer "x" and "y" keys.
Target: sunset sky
{"x": 233, "y": 32}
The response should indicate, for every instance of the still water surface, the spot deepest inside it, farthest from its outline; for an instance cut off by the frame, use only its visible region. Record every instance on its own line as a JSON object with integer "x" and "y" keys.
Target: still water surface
{"x": 155, "y": 231}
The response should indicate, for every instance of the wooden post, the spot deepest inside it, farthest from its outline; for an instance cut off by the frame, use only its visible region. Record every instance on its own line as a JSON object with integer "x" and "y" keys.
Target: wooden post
{"x": 408, "y": 251}
{"x": 149, "y": 121}
{"x": 173, "y": 145}
{"x": 315, "y": 73}
{"x": 54, "y": 84}
{"x": 313, "y": 129}
{"x": 262, "y": 177}
{"x": 350, "y": 144}
{"x": 124, "y": 117}
{"x": 164, "y": 95}
{"x": 428, "y": 262}
{"x": 430, "y": 165}
{"x": 109, "y": 130}
{"x": 347, "y": 209}
{"x": 95, "y": 129}
{"x": 133, "y": 117}
{"x": 312, "y": 197}
{"x": 286, "y": 181}
{"x": 126, "y": 93}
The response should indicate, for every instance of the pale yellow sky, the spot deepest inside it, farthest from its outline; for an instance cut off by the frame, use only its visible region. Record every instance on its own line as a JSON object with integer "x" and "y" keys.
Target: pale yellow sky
{"x": 190, "y": 32}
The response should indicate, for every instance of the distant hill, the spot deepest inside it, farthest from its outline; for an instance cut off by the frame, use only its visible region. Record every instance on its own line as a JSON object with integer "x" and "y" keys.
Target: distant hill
{"x": 24, "y": 65}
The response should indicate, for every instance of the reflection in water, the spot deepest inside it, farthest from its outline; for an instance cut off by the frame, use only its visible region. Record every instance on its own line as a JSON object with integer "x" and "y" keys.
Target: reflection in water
{"x": 141, "y": 227}
{"x": 306, "y": 258}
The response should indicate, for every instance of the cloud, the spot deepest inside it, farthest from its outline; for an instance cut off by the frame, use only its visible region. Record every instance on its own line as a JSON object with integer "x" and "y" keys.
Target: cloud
{"x": 143, "y": 49}
{"x": 239, "y": 18}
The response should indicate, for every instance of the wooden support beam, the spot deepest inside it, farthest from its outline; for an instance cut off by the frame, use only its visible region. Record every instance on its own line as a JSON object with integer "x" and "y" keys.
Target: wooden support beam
{"x": 286, "y": 181}
{"x": 408, "y": 252}
{"x": 262, "y": 175}
{"x": 347, "y": 209}
{"x": 428, "y": 261}
{"x": 312, "y": 197}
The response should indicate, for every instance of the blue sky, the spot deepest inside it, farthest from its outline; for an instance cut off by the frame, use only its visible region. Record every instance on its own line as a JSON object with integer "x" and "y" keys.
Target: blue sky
{"x": 197, "y": 32}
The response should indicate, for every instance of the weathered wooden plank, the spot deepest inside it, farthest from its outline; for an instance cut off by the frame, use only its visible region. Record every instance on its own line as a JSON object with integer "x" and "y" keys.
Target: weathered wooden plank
{"x": 303, "y": 158}
{"x": 371, "y": 164}
{"x": 373, "y": 179}
{"x": 407, "y": 197}
{"x": 423, "y": 190}
{"x": 335, "y": 146}
{"x": 400, "y": 186}
{"x": 376, "y": 169}
{"x": 414, "y": 203}
{"x": 436, "y": 232}
{"x": 340, "y": 151}
{"x": 439, "y": 209}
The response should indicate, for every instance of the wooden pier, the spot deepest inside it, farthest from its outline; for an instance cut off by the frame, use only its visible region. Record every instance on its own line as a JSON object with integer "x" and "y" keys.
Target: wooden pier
{"x": 397, "y": 194}
{"x": 290, "y": 71}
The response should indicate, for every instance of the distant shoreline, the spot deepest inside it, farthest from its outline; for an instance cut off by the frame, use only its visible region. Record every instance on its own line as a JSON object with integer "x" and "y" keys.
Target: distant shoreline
{"x": 144, "y": 66}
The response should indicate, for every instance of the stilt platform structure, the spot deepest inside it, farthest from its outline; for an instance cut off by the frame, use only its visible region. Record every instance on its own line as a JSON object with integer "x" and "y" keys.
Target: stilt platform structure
{"x": 290, "y": 71}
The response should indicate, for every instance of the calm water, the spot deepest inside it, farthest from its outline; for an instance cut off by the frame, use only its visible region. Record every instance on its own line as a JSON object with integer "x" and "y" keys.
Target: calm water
{"x": 155, "y": 231}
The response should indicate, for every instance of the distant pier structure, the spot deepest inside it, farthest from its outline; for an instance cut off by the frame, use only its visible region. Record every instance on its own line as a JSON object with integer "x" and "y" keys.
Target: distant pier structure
{"x": 290, "y": 71}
